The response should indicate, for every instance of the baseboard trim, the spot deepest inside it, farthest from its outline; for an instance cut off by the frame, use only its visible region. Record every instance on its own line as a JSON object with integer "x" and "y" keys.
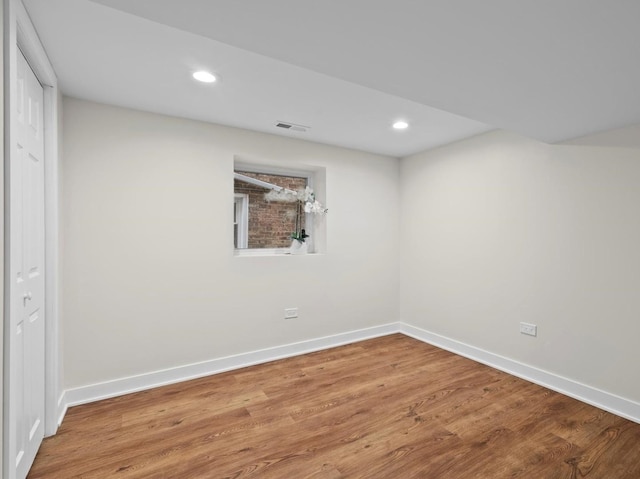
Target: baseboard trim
{"x": 119, "y": 387}
{"x": 609, "y": 402}
{"x": 62, "y": 407}
{"x": 601, "y": 399}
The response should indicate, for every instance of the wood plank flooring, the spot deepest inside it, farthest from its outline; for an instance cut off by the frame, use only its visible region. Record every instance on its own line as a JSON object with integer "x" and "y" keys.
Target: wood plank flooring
{"x": 391, "y": 407}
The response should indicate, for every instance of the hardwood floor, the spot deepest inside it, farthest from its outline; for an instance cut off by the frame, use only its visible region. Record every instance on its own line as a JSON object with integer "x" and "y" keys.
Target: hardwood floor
{"x": 391, "y": 407}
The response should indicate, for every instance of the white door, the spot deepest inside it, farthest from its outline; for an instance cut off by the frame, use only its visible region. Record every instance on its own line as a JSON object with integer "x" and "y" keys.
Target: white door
{"x": 26, "y": 346}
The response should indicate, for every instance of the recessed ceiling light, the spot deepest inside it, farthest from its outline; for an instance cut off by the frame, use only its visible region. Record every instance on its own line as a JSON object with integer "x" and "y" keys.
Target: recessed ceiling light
{"x": 204, "y": 76}
{"x": 400, "y": 125}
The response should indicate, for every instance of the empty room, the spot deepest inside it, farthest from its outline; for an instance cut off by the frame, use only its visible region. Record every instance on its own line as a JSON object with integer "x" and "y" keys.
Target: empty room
{"x": 295, "y": 239}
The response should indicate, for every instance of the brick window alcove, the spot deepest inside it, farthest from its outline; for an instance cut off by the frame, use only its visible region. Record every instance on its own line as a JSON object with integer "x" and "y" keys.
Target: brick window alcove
{"x": 270, "y": 223}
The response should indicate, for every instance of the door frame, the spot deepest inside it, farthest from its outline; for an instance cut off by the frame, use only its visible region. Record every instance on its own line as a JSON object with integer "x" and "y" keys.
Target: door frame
{"x": 20, "y": 33}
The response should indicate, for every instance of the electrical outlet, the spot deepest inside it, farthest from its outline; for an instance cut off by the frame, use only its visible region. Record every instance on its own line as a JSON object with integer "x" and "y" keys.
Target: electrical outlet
{"x": 290, "y": 313}
{"x": 530, "y": 329}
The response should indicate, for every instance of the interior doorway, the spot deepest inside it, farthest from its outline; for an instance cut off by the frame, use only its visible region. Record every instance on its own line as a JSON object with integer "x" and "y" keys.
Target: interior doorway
{"x": 32, "y": 404}
{"x": 26, "y": 269}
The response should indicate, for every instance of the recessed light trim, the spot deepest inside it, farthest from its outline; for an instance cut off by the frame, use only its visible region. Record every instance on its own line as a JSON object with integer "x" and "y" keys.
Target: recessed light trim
{"x": 204, "y": 76}
{"x": 400, "y": 125}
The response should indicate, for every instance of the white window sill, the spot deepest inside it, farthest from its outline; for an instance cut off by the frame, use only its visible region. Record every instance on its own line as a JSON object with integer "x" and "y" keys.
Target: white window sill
{"x": 250, "y": 253}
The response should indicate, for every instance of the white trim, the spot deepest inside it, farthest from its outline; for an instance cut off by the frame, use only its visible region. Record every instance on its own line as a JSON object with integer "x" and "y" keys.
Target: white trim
{"x": 19, "y": 32}
{"x": 62, "y": 407}
{"x": 52, "y": 364}
{"x": 595, "y": 397}
{"x": 601, "y": 399}
{"x": 118, "y": 387}
{"x": 271, "y": 252}
{"x": 263, "y": 184}
{"x": 29, "y": 42}
{"x": 241, "y": 209}
{"x": 275, "y": 169}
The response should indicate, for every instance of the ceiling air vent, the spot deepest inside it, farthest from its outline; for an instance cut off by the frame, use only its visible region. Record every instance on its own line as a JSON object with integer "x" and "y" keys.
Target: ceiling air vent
{"x": 292, "y": 126}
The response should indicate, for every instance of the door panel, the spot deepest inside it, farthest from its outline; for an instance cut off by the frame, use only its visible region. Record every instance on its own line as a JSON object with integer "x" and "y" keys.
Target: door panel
{"x": 27, "y": 267}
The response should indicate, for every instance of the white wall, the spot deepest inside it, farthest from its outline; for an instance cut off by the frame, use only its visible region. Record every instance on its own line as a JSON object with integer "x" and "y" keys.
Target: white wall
{"x": 627, "y": 137}
{"x": 493, "y": 230}
{"x": 498, "y": 229}
{"x": 149, "y": 277}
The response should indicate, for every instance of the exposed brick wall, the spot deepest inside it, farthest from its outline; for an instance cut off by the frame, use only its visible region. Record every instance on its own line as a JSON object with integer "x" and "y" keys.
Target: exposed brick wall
{"x": 270, "y": 222}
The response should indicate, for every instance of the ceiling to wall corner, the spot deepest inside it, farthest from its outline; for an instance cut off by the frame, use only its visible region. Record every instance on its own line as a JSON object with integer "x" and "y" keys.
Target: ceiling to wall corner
{"x": 549, "y": 70}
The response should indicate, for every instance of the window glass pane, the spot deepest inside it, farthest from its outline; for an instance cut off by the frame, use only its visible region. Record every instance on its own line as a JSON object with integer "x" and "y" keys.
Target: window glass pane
{"x": 270, "y": 223}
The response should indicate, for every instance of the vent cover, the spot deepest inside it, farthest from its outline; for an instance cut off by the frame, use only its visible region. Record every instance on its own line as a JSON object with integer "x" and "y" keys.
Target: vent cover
{"x": 292, "y": 126}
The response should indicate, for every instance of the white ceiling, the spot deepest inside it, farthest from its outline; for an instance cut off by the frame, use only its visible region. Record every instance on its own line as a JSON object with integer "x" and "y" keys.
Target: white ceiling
{"x": 547, "y": 69}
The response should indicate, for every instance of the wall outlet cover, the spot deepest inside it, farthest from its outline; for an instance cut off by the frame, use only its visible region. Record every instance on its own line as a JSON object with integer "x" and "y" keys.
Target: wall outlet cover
{"x": 529, "y": 329}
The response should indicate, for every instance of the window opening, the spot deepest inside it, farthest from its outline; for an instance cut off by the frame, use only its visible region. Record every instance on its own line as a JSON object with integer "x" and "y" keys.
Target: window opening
{"x": 270, "y": 221}
{"x": 240, "y": 220}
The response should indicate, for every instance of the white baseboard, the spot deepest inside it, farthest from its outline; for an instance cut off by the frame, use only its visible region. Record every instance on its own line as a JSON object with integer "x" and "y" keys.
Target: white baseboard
{"x": 119, "y": 387}
{"x": 598, "y": 398}
{"x": 590, "y": 395}
{"x": 62, "y": 407}
{"x": 59, "y": 412}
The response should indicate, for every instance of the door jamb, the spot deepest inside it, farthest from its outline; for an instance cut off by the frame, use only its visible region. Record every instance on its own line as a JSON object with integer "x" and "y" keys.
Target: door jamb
{"x": 19, "y": 32}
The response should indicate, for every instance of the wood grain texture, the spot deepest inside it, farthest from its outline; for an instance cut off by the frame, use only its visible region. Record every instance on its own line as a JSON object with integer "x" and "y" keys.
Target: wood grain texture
{"x": 391, "y": 407}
